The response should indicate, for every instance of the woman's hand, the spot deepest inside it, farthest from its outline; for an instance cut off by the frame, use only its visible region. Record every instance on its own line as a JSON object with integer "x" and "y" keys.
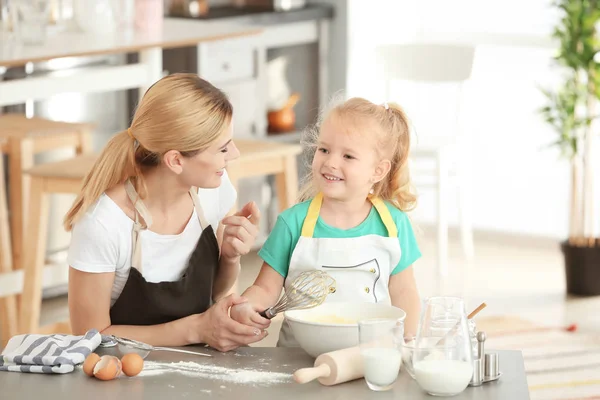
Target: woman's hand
{"x": 241, "y": 230}
{"x": 217, "y": 329}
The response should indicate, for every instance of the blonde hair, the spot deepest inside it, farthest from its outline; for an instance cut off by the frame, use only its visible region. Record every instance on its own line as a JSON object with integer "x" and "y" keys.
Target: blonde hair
{"x": 179, "y": 112}
{"x": 392, "y": 142}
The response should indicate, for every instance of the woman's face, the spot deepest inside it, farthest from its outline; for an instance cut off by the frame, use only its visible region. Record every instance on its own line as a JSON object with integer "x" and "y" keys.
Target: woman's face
{"x": 205, "y": 169}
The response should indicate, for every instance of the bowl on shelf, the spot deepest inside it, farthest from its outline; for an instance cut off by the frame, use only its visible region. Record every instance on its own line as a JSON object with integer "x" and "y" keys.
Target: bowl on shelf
{"x": 334, "y": 326}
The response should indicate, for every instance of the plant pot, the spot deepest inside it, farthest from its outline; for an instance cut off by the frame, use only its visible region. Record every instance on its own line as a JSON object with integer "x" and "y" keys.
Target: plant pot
{"x": 582, "y": 269}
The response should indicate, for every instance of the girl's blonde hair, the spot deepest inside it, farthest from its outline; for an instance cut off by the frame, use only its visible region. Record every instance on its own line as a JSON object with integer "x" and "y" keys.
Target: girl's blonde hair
{"x": 392, "y": 141}
{"x": 179, "y": 112}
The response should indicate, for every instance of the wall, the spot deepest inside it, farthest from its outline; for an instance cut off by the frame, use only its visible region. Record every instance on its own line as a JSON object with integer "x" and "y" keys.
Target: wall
{"x": 519, "y": 186}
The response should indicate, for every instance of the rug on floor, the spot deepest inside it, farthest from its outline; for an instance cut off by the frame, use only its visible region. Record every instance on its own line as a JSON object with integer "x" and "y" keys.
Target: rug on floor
{"x": 561, "y": 364}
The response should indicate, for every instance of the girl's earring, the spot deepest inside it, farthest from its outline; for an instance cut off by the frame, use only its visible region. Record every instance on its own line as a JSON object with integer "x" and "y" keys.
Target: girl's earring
{"x": 371, "y": 191}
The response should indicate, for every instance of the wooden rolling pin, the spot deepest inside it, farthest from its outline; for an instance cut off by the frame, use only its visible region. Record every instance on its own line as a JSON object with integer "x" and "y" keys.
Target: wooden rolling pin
{"x": 334, "y": 367}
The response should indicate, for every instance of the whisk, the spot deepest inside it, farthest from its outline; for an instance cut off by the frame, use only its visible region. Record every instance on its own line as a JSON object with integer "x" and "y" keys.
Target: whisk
{"x": 309, "y": 289}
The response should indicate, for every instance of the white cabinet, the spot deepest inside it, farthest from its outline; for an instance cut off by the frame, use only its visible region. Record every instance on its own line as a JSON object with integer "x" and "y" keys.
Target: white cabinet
{"x": 227, "y": 61}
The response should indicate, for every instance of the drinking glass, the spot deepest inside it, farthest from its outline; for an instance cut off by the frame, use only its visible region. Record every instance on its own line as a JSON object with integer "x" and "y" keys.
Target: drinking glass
{"x": 443, "y": 366}
{"x": 380, "y": 343}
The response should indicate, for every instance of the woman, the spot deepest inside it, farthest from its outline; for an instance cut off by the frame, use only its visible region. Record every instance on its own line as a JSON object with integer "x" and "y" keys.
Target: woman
{"x": 146, "y": 261}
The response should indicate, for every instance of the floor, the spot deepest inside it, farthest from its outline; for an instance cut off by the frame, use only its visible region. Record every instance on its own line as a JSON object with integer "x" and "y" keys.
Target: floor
{"x": 516, "y": 276}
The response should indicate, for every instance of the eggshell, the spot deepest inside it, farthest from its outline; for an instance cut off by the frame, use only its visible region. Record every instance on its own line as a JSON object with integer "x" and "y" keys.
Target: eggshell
{"x": 109, "y": 367}
{"x": 89, "y": 363}
{"x": 132, "y": 364}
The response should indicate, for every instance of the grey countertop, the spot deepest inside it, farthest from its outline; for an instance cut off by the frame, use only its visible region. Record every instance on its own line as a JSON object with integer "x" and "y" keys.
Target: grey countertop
{"x": 262, "y": 15}
{"x": 248, "y": 373}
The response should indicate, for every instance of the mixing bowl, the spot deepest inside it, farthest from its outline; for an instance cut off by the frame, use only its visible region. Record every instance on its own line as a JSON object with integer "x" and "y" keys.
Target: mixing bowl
{"x": 334, "y": 326}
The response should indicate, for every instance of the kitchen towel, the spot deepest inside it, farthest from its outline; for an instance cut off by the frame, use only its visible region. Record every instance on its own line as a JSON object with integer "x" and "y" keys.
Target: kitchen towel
{"x": 48, "y": 354}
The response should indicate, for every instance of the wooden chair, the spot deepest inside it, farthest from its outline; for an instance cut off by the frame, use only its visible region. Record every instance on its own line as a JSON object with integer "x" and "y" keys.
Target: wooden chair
{"x": 8, "y": 304}
{"x": 21, "y": 139}
{"x": 257, "y": 158}
{"x": 57, "y": 177}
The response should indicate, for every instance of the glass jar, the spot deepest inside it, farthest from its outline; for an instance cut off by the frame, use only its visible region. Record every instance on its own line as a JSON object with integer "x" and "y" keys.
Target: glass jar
{"x": 443, "y": 362}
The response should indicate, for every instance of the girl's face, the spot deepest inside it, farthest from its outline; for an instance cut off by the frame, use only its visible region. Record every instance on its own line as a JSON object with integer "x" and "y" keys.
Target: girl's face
{"x": 346, "y": 164}
{"x": 205, "y": 169}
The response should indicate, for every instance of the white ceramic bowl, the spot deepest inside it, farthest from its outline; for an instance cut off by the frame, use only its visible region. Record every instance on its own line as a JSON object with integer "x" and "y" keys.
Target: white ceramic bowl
{"x": 334, "y": 326}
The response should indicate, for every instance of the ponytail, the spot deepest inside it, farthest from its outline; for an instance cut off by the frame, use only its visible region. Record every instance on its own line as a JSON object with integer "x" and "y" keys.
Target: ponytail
{"x": 397, "y": 187}
{"x": 114, "y": 165}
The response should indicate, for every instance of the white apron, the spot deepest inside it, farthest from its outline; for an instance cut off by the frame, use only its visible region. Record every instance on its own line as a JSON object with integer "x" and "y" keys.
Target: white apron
{"x": 361, "y": 266}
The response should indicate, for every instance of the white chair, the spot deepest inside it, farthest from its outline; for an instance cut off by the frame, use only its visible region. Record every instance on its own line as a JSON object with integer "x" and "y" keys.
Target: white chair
{"x": 436, "y": 66}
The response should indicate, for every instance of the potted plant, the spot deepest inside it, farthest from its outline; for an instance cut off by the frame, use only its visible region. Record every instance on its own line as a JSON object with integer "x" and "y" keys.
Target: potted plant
{"x": 572, "y": 110}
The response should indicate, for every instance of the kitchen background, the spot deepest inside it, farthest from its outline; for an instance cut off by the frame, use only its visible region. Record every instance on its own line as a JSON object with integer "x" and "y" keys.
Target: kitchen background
{"x": 292, "y": 68}
{"x": 521, "y": 186}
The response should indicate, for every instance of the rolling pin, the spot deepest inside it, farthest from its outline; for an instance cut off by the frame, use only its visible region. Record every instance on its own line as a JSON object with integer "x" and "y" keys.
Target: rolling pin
{"x": 334, "y": 367}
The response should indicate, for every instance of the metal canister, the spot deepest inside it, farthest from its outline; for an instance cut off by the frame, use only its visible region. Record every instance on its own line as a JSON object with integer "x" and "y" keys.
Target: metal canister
{"x": 492, "y": 365}
{"x": 478, "y": 372}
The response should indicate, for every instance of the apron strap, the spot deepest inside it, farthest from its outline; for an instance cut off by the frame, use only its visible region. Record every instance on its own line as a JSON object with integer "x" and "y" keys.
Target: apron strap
{"x": 139, "y": 210}
{"x": 142, "y": 211}
{"x": 308, "y": 227}
{"x": 198, "y": 207}
{"x": 140, "y": 207}
{"x": 385, "y": 215}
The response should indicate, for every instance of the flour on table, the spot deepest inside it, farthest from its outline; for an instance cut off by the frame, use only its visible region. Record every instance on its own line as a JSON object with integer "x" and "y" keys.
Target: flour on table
{"x": 215, "y": 372}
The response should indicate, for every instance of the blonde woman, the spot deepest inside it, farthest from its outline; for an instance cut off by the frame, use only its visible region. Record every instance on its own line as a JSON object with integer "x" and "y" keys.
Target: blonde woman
{"x": 154, "y": 249}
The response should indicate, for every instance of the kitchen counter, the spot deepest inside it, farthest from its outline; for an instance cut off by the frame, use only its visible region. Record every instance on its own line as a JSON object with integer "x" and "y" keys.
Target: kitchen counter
{"x": 262, "y": 15}
{"x": 267, "y": 375}
{"x": 140, "y": 75}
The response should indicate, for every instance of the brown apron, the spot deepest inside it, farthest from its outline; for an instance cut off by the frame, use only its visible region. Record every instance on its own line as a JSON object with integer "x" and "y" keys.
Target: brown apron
{"x": 148, "y": 303}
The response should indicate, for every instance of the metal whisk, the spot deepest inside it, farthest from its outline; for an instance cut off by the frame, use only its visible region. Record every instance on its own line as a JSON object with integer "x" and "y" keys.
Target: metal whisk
{"x": 308, "y": 290}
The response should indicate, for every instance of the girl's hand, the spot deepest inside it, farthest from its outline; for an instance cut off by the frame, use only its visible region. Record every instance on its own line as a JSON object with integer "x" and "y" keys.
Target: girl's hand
{"x": 241, "y": 230}
{"x": 245, "y": 314}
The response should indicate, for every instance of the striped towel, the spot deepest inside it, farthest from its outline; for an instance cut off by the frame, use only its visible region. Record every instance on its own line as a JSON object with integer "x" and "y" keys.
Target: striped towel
{"x": 48, "y": 354}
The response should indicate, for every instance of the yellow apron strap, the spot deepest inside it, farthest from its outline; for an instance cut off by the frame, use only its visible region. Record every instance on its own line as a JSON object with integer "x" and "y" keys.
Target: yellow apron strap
{"x": 308, "y": 227}
{"x": 385, "y": 215}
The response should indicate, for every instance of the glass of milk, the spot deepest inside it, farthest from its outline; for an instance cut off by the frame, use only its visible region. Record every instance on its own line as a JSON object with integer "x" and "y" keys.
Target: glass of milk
{"x": 443, "y": 366}
{"x": 381, "y": 351}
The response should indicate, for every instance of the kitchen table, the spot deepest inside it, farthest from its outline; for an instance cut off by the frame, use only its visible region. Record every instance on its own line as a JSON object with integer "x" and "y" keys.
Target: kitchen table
{"x": 247, "y": 373}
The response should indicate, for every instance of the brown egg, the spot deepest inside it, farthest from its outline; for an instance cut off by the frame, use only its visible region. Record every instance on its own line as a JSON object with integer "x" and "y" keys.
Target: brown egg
{"x": 89, "y": 364}
{"x": 109, "y": 367}
{"x": 132, "y": 364}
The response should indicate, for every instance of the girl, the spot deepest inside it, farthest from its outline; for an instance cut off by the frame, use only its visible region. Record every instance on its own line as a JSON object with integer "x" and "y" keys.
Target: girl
{"x": 146, "y": 259}
{"x": 352, "y": 222}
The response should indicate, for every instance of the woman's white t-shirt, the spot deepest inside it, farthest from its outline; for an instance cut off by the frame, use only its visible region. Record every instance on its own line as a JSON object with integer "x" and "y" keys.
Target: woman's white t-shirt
{"x": 101, "y": 239}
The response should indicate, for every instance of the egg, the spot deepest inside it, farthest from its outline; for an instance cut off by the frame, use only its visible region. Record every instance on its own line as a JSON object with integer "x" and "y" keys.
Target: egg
{"x": 107, "y": 368}
{"x": 89, "y": 364}
{"x": 132, "y": 363}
